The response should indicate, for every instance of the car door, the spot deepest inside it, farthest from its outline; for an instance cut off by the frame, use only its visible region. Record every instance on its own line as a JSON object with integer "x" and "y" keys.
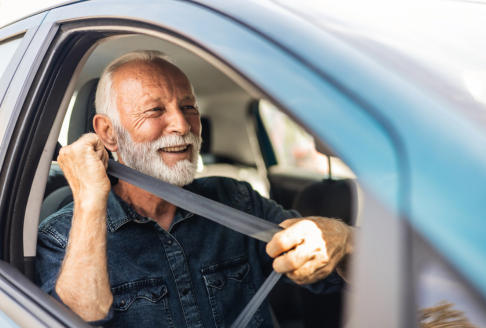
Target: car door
{"x": 266, "y": 69}
{"x": 22, "y": 304}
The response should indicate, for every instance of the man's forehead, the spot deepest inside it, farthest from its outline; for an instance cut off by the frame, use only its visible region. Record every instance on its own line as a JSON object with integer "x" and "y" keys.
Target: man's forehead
{"x": 157, "y": 73}
{"x": 152, "y": 77}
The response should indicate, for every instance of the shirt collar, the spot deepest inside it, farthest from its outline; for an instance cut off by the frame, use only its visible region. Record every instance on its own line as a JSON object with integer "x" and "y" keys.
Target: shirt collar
{"x": 118, "y": 212}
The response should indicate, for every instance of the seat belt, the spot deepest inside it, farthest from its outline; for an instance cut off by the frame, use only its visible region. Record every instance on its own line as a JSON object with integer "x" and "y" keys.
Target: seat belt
{"x": 227, "y": 216}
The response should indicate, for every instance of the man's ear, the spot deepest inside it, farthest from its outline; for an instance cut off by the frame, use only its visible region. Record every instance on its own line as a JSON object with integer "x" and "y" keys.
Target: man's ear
{"x": 104, "y": 129}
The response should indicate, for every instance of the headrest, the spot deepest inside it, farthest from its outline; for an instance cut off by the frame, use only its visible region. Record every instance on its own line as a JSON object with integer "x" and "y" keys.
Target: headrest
{"x": 81, "y": 121}
{"x": 206, "y": 135}
{"x": 329, "y": 198}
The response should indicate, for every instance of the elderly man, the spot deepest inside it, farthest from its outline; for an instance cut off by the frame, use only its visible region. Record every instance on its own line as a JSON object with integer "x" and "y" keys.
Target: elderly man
{"x": 121, "y": 256}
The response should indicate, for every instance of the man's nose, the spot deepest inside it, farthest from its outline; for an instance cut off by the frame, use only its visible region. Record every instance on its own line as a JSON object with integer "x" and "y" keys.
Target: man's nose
{"x": 177, "y": 122}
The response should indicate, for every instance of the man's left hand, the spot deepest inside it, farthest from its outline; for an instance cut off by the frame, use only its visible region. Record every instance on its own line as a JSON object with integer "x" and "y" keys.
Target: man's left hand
{"x": 314, "y": 246}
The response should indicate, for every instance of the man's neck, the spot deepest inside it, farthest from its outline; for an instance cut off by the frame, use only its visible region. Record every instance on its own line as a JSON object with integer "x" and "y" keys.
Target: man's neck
{"x": 146, "y": 204}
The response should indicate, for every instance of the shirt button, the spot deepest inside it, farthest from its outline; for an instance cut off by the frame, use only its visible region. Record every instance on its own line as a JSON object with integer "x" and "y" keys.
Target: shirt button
{"x": 239, "y": 276}
{"x": 122, "y": 303}
{"x": 217, "y": 283}
{"x": 184, "y": 291}
{"x": 154, "y": 295}
{"x": 169, "y": 242}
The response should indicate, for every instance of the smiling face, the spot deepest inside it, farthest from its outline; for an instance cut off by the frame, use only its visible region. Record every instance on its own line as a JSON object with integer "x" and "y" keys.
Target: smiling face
{"x": 155, "y": 100}
{"x": 158, "y": 130}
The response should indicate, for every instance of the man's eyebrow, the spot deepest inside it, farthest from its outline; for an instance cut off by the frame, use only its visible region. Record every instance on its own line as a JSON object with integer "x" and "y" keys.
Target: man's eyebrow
{"x": 188, "y": 97}
{"x": 145, "y": 102}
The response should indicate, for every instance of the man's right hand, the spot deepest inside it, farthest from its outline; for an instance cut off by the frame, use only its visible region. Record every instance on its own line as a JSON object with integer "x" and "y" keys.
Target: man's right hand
{"x": 84, "y": 164}
{"x": 83, "y": 283}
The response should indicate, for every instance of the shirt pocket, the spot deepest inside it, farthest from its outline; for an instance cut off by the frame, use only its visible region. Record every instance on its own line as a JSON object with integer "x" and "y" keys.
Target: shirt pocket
{"x": 142, "y": 303}
{"x": 230, "y": 288}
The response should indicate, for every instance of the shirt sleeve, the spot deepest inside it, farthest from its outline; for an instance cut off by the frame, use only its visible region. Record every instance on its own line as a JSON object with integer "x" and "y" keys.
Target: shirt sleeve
{"x": 269, "y": 210}
{"x": 51, "y": 249}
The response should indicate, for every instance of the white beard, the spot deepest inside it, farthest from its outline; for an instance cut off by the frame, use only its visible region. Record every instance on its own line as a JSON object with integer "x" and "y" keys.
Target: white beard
{"x": 144, "y": 157}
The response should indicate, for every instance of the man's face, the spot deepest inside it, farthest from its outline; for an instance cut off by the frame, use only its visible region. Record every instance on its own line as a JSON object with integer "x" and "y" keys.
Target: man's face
{"x": 161, "y": 123}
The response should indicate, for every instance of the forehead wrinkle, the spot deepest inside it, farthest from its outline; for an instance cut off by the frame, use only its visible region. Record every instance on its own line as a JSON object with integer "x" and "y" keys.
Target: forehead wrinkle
{"x": 155, "y": 82}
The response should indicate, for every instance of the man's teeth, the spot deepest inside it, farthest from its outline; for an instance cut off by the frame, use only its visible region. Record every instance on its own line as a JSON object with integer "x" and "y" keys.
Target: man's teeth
{"x": 169, "y": 149}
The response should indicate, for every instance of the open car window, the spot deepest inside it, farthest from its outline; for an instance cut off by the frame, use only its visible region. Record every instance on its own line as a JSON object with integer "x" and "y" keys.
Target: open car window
{"x": 232, "y": 151}
{"x": 226, "y": 151}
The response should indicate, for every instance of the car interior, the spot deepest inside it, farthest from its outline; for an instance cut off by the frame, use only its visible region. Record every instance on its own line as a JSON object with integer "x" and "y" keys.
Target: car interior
{"x": 242, "y": 139}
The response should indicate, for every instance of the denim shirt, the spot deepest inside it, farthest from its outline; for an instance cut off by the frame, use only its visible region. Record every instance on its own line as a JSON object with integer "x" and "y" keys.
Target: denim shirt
{"x": 196, "y": 274}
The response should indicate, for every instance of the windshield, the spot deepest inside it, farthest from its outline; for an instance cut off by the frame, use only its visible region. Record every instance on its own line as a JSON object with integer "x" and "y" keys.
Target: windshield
{"x": 437, "y": 44}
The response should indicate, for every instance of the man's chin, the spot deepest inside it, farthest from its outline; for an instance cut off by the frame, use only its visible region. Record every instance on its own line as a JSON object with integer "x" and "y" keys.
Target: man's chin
{"x": 180, "y": 174}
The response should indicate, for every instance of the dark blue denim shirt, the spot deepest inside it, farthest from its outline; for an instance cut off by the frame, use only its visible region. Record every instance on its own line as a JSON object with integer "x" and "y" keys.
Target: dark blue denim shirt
{"x": 197, "y": 274}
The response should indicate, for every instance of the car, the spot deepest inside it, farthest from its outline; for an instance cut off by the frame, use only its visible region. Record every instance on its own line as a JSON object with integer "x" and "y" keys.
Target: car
{"x": 367, "y": 111}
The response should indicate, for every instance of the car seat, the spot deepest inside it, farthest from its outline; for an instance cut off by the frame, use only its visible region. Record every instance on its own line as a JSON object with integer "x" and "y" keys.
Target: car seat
{"x": 333, "y": 199}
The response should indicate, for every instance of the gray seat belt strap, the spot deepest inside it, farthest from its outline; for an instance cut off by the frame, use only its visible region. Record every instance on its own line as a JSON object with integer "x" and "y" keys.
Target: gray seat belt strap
{"x": 227, "y": 216}
{"x": 245, "y": 316}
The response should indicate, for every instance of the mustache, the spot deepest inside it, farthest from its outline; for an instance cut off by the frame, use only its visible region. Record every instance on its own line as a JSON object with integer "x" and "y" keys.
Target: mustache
{"x": 162, "y": 142}
{"x": 174, "y": 140}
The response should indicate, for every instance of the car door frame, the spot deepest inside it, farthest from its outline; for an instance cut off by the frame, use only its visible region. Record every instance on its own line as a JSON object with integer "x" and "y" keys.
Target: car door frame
{"x": 21, "y": 300}
{"x": 79, "y": 17}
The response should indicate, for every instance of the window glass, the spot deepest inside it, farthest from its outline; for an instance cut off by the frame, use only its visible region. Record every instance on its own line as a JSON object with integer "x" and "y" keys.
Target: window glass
{"x": 7, "y": 50}
{"x": 442, "y": 298}
{"x": 294, "y": 147}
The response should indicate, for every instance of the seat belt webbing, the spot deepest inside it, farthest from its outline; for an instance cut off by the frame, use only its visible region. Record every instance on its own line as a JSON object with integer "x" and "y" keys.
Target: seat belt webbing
{"x": 229, "y": 217}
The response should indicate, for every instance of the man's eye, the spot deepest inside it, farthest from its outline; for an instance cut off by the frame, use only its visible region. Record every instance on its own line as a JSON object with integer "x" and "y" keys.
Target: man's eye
{"x": 190, "y": 109}
{"x": 156, "y": 109}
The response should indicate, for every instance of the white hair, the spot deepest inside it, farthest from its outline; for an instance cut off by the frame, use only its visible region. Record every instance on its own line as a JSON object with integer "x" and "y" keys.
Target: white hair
{"x": 105, "y": 100}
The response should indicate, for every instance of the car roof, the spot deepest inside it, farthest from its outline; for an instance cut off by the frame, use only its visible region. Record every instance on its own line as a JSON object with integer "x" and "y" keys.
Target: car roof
{"x": 61, "y": 4}
{"x": 434, "y": 43}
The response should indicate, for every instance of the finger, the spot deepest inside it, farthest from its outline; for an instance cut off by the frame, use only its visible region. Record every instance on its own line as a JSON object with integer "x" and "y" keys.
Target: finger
{"x": 290, "y": 237}
{"x": 92, "y": 141}
{"x": 310, "y": 272}
{"x": 287, "y": 223}
{"x": 294, "y": 259}
{"x": 99, "y": 144}
{"x": 103, "y": 155}
{"x": 100, "y": 154}
{"x": 105, "y": 158}
{"x": 61, "y": 153}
